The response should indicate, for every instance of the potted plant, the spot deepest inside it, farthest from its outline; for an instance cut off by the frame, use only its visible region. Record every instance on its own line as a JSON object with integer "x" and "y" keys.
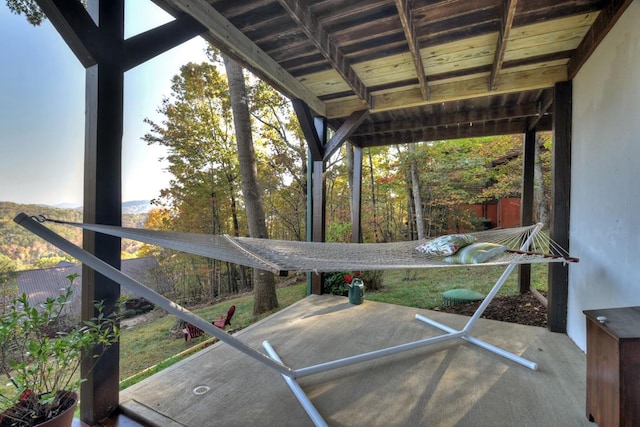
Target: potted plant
{"x": 41, "y": 349}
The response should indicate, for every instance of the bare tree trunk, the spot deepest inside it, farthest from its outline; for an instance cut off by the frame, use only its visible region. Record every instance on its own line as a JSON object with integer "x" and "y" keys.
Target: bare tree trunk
{"x": 417, "y": 199}
{"x": 540, "y": 201}
{"x": 264, "y": 289}
{"x": 349, "y": 156}
{"x": 374, "y": 206}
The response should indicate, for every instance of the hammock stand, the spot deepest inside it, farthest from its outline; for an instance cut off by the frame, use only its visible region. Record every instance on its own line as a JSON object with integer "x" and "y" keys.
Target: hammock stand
{"x": 273, "y": 360}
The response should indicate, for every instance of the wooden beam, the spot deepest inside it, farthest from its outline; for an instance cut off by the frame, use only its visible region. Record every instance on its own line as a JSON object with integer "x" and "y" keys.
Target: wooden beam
{"x": 560, "y": 211}
{"x": 442, "y": 133}
{"x": 103, "y": 201}
{"x": 318, "y": 194}
{"x": 605, "y": 20}
{"x": 308, "y": 125}
{"x": 508, "y": 13}
{"x": 225, "y": 36}
{"x": 76, "y": 27}
{"x": 454, "y": 118}
{"x": 543, "y": 106}
{"x": 142, "y": 47}
{"x": 319, "y": 200}
{"x": 404, "y": 11}
{"x": 301, "y": 14}
{"x": 526, "y": 205}
{"x": 344, "y": 132}
{"x": 452, "y": 91}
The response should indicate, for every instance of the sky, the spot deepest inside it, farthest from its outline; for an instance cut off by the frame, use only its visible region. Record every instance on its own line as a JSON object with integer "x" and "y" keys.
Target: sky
{"x": 42, "y": 111}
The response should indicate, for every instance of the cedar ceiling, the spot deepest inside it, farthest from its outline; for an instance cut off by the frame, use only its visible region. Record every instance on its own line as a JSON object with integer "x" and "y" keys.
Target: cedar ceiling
{"x": 419, "y": 70}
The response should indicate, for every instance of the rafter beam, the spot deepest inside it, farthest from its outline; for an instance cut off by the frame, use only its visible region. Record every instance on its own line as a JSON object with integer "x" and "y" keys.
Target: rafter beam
{"x": 452, "y": 91}
{"x": 226, "y": 37}
{"x": 404, "y": 11}
{"x": 605, "y": 20}
{"x": 449, "y": 132}
{"x": 76, "y": 27}
{"x": 344, "y": 132}
{"x": 301, "y": 14}
{"x": 145, "y": 46}
{"x": 472, "y": 117}
{"x": 508, "y": 13}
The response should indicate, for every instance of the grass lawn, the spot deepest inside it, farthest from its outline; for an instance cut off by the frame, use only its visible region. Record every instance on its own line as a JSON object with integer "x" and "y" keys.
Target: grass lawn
{"x": 424, "y": 288}
{"x": 150, "y": 344}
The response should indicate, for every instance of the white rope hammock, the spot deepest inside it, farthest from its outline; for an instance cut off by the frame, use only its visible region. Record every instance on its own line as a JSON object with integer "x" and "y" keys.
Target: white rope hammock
{"x": 282, "y": 256}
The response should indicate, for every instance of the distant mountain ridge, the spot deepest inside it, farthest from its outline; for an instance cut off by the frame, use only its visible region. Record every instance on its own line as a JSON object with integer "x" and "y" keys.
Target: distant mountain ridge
{"x": 133, "y": 207}
{"x": 136, "y": 207}
{"x": 25, "y": 248}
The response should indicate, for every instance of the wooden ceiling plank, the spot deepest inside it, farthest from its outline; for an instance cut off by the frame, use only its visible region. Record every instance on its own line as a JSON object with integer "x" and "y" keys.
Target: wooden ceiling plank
{"x": 344, "y": 132}
{"x": 404, "y": 11}
{"x": 301, "y": 14}
{"x": 76, "y": 27}
{"x": 234, "y": 43}
{"x": 145, "y": 46}
{"x": 606, "y": 19}
{"x": 509, "y": 13}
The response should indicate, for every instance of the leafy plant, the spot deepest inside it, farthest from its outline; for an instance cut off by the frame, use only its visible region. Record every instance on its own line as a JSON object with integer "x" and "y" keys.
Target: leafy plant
{"x": 336, "y": 283}
{"x": 41, "y": 352}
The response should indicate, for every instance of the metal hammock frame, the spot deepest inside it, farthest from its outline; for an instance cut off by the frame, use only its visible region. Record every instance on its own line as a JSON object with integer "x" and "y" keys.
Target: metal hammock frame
{"x": 281, "y": 256}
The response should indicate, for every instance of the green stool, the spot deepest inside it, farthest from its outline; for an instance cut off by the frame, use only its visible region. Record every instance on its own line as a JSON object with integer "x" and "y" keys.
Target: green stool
{"x": 459, "y": 296}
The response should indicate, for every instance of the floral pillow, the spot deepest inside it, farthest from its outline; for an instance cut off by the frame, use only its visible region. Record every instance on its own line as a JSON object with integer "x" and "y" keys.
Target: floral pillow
{"x": 476, "y": 253}
{"x": 446, "y": 245}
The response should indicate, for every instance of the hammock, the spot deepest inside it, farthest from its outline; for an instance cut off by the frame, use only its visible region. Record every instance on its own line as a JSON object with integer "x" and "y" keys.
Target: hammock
{"x": 282, "y": 256}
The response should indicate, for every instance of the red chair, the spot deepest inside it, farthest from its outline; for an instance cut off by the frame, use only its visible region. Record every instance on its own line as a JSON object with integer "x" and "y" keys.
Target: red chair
{"x": 192, "y": 331}
{"x": 223, "y": 321}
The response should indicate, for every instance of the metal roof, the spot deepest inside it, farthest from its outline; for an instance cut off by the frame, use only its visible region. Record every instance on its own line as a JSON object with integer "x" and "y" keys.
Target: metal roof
{"x": 46, "y": 283}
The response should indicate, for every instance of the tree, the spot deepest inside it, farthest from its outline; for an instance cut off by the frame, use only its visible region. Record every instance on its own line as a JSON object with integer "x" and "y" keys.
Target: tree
{"x": 203, "y": 196}
{"x": 417, "y": 198}
{"x": 28, "y": 8}
{"x": 539, "y": 188}
{"x": 282, "y": 165}
{"x": 265, "y": 297}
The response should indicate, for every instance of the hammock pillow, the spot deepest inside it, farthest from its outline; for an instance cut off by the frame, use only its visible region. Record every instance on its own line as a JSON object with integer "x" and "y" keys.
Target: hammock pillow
{"x": 446, "y": 245}
{"x": 476, "y": 253}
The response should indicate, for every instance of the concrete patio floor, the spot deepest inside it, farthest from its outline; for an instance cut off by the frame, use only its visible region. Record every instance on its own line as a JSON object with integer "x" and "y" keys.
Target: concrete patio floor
{"x": 454, "y": 383}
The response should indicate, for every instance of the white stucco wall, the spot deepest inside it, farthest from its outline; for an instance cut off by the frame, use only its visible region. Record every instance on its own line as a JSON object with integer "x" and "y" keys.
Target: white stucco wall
{"x": 605, "y": 177}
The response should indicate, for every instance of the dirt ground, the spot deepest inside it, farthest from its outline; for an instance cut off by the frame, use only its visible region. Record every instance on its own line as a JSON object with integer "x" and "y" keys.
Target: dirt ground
{"x": 523, "y": 309}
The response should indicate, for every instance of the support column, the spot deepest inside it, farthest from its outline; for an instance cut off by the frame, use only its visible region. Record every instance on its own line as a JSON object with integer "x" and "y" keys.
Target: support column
{"x": 560, "y": 199}
{"x": 315, "y": 132}
{"x": 103, "y": 198}
{"x": 526, "y": 203}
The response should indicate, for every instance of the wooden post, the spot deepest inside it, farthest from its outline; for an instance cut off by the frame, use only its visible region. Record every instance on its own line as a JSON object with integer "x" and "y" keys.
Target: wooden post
{"x": 103, "y": 198}
{"x": 560, "y": 199}
{"x": 96, "y": 36}
{"x": 526, "y": 204}
{"x": 315, "y": 132}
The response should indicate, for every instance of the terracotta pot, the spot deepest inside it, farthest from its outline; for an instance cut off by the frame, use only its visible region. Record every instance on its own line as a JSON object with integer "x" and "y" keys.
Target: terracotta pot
{"x": 63, "y": 419}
